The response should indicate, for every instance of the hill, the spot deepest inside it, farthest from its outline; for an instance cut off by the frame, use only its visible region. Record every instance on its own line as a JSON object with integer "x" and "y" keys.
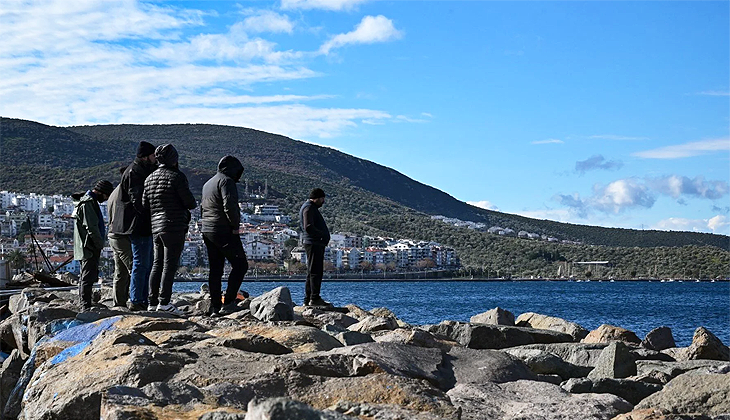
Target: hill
{"x": 365, "y": 197}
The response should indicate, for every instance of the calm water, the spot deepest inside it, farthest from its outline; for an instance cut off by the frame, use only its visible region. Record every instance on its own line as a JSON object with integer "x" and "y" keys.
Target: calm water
{"x": 637, "y": 306}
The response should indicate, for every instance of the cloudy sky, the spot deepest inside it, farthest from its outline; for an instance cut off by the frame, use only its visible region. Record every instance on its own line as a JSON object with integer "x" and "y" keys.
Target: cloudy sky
{"x": 603, "y": 113}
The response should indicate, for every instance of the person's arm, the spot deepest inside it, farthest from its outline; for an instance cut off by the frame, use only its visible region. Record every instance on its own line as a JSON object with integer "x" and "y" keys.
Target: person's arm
{"x": 183, "y": 191}
{"x": 145, "y": 196}
{"x": 90, "y": 220}
{"x": 135, "y": 189}
{"x": 229, "y": 192}
{"x": 309, "y": 227}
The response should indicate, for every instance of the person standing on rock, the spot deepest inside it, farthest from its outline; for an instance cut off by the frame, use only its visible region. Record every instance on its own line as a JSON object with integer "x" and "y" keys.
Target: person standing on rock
{"x": 314, "y": 236}
{"x": 168, "y": 198}
{"x": 89, "y": 232}
{"x": 137, "y": 225}
{"x": 220, "y": 218}
{"x": 121, "y": 246}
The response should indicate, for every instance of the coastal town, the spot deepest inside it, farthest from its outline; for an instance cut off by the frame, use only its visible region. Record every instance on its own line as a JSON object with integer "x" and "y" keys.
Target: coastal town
{"x": 269, "y": 236}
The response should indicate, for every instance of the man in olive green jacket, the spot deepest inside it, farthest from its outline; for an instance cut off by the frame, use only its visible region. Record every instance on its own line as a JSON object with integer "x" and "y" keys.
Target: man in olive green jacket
{"x": 89, "y": 233}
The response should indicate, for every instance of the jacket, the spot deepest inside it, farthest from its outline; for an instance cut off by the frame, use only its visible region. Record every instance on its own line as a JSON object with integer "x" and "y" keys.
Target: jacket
{"x": 168, "y": 198}
{"x": 88, "y": 236}
{"x": 119, "y": 216}
{"x": 314, "y": 228}
{"x": 219, "y": 212}
{"x": 137, "y": 218}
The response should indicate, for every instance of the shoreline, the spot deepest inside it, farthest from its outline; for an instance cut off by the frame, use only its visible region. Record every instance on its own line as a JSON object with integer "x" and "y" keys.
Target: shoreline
{"x": 301, "y": 279}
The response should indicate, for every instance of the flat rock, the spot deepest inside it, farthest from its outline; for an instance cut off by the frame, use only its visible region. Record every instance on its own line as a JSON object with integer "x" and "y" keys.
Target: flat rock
{"x": 275, "y": 305}
{"x": 464, "y": 365}
{"x": 496, "y": 316}
{"x": 321, "y": 318}
{"x": 357, "y": 312}
{"x": 414, "y": 337}
{"x": 533, "y": 320}
{"x": 630, "y": 390}
{"x": 247, "y": 342}
{"x": 9, "y": 375}
{"x": 705, "y": 345}
{"x": 674, "y": 369}
{"x": 171, "y": 339}
{"x": 692, "y": 393}
{"x": 299, "y": 338}
{"x": 494, "y": 336}
{"x": 615, "y": 361}
{"x": 659, "y": 338}
{"x": 608, "y": 333}
{"x": 532, "y": 400}
{"x": 374, "y": 323}
{"x": 352, "y": 338}
{"x": 546, "y": 363}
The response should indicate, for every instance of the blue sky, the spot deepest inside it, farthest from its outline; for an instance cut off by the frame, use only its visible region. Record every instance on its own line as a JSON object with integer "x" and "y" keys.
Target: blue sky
{"x": 603, "y": 113}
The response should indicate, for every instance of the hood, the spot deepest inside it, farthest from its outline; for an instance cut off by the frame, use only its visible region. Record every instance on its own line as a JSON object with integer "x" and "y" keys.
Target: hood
{"x": 231, "y": 167}
{"x": 166, "y": 155}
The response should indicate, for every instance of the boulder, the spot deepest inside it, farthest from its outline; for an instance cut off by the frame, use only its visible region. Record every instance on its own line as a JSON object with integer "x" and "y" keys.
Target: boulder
{"x": 351, "y": 338}
{"x": 646, "y": 354}
{"x": 357, "y": 312}
{"x": 608, "y": 333}
{"x": 299, "y": 338}
{"x": 615, "y": 361}
{"x": 630, "y": 390}
{"x": 532, "y": 400}
{"x": 242, "y": 340}
{"x": 692, "y": 393}
{"x": 674, "y": 369}
{"x": 9, "y": 375}
{"x": 6, "y": 332}
{"x": 496, "y": 316}
{"x": 413, "y": 337}
{"x": 374, "y": 323}
{"x": 286, "y": 409}
{"x": 171, "y": 339}
{"x": 156, "y": 321}
{"x": 464, "y": 365}
{"x": 705, "y": 345}
{"x": 321, "y": 318}
{"x": 494, "y": 336}
{"x": 546, "y": 363}
{"x": 275, "y": 305}
{"x": 28, "y": 296}
{"x": 533, "y": 320}
{"x": 660, "y": 338}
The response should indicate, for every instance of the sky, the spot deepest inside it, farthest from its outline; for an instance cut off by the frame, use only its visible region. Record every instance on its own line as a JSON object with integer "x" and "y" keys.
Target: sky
{"x": 609, "y": 113}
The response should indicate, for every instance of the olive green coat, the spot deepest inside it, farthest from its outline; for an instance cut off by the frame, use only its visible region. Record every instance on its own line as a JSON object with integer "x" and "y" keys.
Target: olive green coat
{"x": 88, "y": 240}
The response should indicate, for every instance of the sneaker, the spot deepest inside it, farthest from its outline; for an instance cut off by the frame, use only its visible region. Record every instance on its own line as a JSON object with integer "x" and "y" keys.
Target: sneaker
{"x": 134, "y": 307}
{"x": 213, "y": 312}
{"x": 229, "y": 309}
{"x": 318, "y": 301}
{"x": 152, "y": 308}
{"x": 169, "y": 308}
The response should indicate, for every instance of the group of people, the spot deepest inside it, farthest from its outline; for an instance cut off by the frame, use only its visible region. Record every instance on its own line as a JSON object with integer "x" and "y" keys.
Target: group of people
{"x": 149, "y": 214}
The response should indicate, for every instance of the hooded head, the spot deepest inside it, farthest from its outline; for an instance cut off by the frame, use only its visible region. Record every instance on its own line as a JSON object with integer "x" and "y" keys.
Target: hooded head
{"x": 166, "y": 155}
{"x": 231, "y": 167}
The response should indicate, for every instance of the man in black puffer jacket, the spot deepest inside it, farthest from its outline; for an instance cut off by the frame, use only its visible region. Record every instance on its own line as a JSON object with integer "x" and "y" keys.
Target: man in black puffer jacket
{"x": 167, "y": 196}
{"x": 220, "y": 218}
{"x": 315, "y": 237}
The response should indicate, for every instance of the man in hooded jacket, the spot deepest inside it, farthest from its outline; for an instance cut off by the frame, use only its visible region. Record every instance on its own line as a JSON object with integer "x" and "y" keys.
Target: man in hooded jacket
{"x": 314, "y": 236}
{"x": 220, "y": 219}
{"x": 168, "y": 198}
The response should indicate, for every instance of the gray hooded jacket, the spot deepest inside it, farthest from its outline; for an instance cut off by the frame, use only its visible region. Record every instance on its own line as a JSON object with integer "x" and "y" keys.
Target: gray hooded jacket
{"x": 219, "y": 205}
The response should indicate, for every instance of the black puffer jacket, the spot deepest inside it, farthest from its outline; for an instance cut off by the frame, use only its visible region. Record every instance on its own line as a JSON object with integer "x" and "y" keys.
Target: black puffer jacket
{"x": 167, "y": 196}
{"x": 314, "y": 228}
{"x": 219, "y": 205}
{"x": 137, "y": 218}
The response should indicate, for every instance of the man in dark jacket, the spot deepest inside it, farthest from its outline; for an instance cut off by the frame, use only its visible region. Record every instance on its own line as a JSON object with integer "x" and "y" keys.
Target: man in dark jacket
{"x": 136, "y": 223}
{"x": 220, "y": 218}
{"x": 89, "y": 237}
{"x": 121, "y": 245}
{"x": 315, "y": 237}
{"x": 167, "y": 196}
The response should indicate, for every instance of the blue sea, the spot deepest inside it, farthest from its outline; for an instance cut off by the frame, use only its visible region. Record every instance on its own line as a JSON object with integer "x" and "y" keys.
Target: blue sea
{"x": 637, "y": 306}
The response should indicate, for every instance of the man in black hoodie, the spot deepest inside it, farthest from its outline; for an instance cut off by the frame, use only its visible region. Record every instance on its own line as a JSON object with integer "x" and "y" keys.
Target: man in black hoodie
{"x": 168, "y": 198}
{"x": 315, "y": 237}
{"x": 220, "y": 218}
{"x": 136, "y": 227}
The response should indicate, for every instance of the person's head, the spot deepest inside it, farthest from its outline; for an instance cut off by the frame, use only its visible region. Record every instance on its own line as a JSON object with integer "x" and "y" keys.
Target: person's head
{"x": 103, "y": 189}
{"x": 231, "y": 166}
{"x": 317, "y": 196}
{"x": 167, "y": 155}
{"x": 146, "y": 152}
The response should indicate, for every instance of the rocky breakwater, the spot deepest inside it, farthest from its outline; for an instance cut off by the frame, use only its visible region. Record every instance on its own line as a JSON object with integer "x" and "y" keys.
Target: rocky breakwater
{"x": 272, "y": 360}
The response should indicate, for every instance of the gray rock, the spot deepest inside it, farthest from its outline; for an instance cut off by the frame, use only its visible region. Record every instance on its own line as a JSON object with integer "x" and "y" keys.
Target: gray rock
{"x": 690, "y": 393}
{"x": 608, "y": 333}
{"x": 630, "y": 390}
{"x": 533, "y": 320}
{"x": 659, "y": 339}
{"x": 413, "y": 337}
{"x": 646, "y": 354}
{"x": 351, "y": 338}
{"x": 286, "y": 409}
{"x": 169, "y": 393}
{"x": 321, "y": 318}
{"x": 374, "y": 323}
{"x": 464, "y": 365}
{"x": 27, "y": 297}
{"x": 239, "y": 395}
{"x": 615, "y": 361}
{"x": 247, "y": 342}
{"x": 705, "y": 345}
{"x": 275, "y": 305}
{"x": 6, "y": 332}
{"x": 9, "y": 376}
{"x": 532, "y": 400}
{"x": 546, "y": 363}
{"x": 496, "y": 316}
{"x": 674, "y": 369}
{"x": 494, "y": 336}
{"x": 580, "y": 354}
{"x": 222, "y": 415}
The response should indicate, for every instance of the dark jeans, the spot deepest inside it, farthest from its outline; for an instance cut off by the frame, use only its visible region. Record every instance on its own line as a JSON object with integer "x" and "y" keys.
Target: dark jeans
{"x": 122, "y": 247}
{"x": 89, "y": 276}
{"x": 141, "y": 267}
{"x": 168, "y": 248}
{"x": 315, "y": 271}
{"x": 222, "y": 247}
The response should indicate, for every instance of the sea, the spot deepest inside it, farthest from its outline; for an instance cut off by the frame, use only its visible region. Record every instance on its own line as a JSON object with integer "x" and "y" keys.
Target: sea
{"x": 639, "y": 306}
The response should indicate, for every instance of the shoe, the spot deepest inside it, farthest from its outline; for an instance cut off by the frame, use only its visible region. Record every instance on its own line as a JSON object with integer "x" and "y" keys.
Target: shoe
{"x": 229, "y": 309}
{"x": 306, "y": 302}
{"x": 318, "y": 301}
{"x": 169, "y": 308}
{"x": 213, "y": 312}
{"x": 134, "y": 307}
{"x": 152, "y": 308}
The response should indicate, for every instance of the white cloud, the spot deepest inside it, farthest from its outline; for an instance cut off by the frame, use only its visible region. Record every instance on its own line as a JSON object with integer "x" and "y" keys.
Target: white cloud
{"x": 678, "y": 151}
{"x": 370, "y": 30}
{"x": 336, "y": 5}
{"x": 676, "y": 186}
{"x": 548, "y": 141}
{"x": 717, "y": 224}
{"x": 483, "y": 204}
{"x": 268, "y": 21}
{"x": 403, "y": 118}
{"x": 615, "y": 137}
{"x": 597, "y": 162}
{"x": 426, "y": 114}
{"x": 714, "y": 93}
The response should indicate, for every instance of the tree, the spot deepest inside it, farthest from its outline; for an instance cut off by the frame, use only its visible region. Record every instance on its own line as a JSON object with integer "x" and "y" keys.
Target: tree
{"x": 17, "y": 259}
{"x": 366, "y": 265}
{"x": 425, "y": 263}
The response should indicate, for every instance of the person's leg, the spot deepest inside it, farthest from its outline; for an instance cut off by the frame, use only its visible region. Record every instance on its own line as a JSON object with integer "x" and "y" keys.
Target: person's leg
{"x": 142, "y": 257}
{"x": 308, "y": 283}
{"x": 239, "y": 266}
{"x": 122, "y": 247}
{"x": 89, "y": 276}
{"x": 156, "y": 274}
{"x": 216, "y": 262}
{"x": 316, "y": 269}
{"x": 174, "y": 242}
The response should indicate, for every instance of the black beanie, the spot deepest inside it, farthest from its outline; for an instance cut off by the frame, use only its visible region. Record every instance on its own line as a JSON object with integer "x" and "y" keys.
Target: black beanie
{"x": 145, "y": 149}
{"x": 105, "y": 187}
{"x": 316, "y": 193}
{"x": 166, "y": 155}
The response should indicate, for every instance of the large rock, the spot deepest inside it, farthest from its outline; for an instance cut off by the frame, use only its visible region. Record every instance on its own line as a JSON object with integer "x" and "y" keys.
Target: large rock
{"x": 275, "y": 305}
{"x": 321, "y": 318}
{"x": 532, "y": 400}
{"x": 660, "y": 338}
{"x": 608, "y": 333}
{"x": 374, "y": 323}
{"x": 286, "y": 409}
{"x": 692, "y": 393}
{"x": 630, "y": 390}
{"x": 7, "y": 337}
{"x": 299, "y": 338}
{"x": 533, "y": 320}
{"x": 464, "y": 365}
{"x": 28, "y": 296}
{"x": 352, "y": 338}
{"x": 357, "y": 312}
{"x": 242, "y": 340}
{"x": 494, "y": 336}
{"x": 615, "y": 361}
{"x": 9, "y": 376}
{"x": 674, "y": 369}
{"x": 496, "y": 316}
{"x": 546, "y": 363}
{"x": 705, "y": 345}
{"x": 413, "y": 337}
{"x": 171, "y": 339}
